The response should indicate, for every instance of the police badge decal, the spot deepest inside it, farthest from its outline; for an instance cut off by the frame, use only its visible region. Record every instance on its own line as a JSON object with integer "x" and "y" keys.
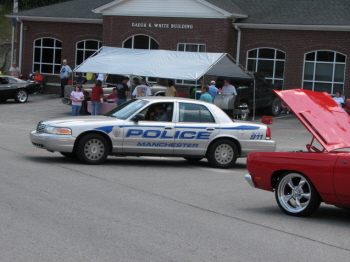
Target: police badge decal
{"x": 116, "y": 131}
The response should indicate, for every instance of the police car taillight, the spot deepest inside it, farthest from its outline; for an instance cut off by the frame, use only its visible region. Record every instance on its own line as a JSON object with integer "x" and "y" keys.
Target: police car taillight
{"x": 268, "y": 134}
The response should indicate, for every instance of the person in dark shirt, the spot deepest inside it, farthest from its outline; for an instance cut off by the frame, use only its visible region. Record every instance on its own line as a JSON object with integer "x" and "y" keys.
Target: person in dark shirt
{"x": 80, "y": 79}
{"x": 122, "y": 91}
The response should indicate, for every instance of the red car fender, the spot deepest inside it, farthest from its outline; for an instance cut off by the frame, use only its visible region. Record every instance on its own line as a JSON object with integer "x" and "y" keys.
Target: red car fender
{"x": 266, "y": 167}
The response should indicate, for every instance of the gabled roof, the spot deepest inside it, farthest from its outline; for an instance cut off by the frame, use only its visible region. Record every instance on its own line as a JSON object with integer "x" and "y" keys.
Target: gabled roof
{"x": 77, "y": 9}
{"x": 254, "y": 12}
{"x": 83, "y": 9}
{"x": 300, "y": 12}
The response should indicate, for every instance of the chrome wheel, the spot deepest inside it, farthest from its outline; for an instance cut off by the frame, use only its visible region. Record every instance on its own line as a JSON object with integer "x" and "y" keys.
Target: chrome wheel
{"x": 244, "y": 116}
{"x": 21, "y": 96}
{"x": 93, "y": 149}
{"x": 222, "y": 154}
{"x": 296, "y": 195}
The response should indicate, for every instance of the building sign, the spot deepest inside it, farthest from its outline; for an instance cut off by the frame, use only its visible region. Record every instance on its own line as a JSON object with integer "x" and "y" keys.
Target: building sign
{"x": 165, "y": 26}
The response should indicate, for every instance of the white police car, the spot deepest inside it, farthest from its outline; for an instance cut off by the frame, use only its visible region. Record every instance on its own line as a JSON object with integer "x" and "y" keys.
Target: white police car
{"x": 187, "y": 128}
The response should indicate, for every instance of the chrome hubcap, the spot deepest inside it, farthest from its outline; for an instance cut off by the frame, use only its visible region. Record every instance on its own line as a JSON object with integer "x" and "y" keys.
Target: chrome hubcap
{"x": 22, "y": 96}
{"x": 294, "y": 193}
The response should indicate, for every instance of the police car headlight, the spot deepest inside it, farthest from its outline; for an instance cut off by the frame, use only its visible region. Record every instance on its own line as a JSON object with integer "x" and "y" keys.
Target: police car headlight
{"x": 58, "y": 130}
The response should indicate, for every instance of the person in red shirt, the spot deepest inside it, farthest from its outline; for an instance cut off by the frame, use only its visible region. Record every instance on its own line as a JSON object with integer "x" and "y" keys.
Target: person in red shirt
{"x": 96, "y": 95}
{"x": 38, "y": 77}
{"x": 112, "y": 96}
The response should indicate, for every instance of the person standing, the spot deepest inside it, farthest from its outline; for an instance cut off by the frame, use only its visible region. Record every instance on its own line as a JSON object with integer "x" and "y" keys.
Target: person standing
{"x": 213, "y": 91}
{"x": 14, "y": 71}
{"x": 170, "y": 90}
{"x": 205, "y": 96}
{"x": 96, "y": 95}
{"x": 122, "y": 91}
{"x": 228, "y": 89}
{"x": 77, "y": 97}
{"x": 65, "y": 73}
{"x": 142, "y": 90}
{"x": 101, "y": 77}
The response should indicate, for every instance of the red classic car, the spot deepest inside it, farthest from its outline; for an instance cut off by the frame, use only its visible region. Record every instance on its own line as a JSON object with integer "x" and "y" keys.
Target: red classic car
{"x": 302, "y": 180}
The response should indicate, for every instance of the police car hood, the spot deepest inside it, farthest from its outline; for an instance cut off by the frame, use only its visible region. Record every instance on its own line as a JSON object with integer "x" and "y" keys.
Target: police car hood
{"x": 321, "y": 115}
{"x": 79, "y": 120}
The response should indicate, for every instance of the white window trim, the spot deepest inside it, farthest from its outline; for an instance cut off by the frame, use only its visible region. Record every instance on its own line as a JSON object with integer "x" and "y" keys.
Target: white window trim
{"x": 85, "y": 49}
{"x": 187, "y": 82}
{"x": 323, "y": 62}
{"x": 41, "y": 53}
{"x": 273, "y": 78}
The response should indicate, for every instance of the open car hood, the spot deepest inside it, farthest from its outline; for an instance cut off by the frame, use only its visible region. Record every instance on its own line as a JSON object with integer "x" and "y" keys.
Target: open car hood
{"x": 321, "y": 115}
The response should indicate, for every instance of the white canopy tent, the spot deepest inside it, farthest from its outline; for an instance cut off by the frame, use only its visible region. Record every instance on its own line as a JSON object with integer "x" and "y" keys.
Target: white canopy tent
{"x": 161, "y": 63}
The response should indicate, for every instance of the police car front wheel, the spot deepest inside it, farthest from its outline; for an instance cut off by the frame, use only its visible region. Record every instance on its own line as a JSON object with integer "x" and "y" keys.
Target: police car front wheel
{"x": 222, "y": 153}
{"x": 92, "y": 149}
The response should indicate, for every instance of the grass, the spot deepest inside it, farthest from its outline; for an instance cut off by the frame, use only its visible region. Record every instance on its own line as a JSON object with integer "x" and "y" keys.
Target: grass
{"x": 5, "y": 25}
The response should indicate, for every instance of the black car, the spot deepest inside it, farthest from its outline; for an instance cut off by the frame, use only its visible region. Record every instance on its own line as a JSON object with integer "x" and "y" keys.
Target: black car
{"x": 264, "y": 96}
{"x": 17, "y": 89}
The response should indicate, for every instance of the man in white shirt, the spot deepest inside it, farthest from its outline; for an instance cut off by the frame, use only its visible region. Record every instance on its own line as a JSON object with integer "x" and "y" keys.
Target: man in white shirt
{"x": 142, "y": 90}
{"x": 228, "y": 89}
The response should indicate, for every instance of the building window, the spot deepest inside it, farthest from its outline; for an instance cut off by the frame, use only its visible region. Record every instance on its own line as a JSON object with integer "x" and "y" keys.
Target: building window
{"x": 47, "y": 55}
{"x": 140, "y": 42}
{"x": 268, "y": 62}
{"x": 190, "y": 48}
{"x": 84, "y": 49}
{"x": 324, "y": 71}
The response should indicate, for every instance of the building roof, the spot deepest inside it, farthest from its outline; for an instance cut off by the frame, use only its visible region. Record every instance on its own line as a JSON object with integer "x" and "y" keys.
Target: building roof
{"x": 300, "y": 12}
{"x": 270, "y": 12}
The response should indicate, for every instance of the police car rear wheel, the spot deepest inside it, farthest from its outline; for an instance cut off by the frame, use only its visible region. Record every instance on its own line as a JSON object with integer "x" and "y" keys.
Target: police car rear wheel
{"x": 92, "y": 149}
{"x": 222, "y": 154}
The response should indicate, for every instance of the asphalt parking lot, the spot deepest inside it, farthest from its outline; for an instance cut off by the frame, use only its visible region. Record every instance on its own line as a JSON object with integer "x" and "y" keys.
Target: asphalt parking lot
{"x": 148, "y": 209}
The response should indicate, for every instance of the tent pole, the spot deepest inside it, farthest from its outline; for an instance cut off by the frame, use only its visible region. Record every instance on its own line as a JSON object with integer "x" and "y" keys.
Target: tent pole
{"x": 254, "y": 101}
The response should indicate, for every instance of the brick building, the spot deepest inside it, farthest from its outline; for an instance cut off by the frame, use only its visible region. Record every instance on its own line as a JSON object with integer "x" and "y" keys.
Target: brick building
{"x": 297, "y": 44}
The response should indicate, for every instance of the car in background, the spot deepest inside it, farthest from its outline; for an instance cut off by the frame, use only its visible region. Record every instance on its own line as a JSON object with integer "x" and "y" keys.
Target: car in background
{"x": 302, "y": 180}
{"x": 193, "y": 130}
{"x": 265, "y": 98}
{"x": 15, "y": 88}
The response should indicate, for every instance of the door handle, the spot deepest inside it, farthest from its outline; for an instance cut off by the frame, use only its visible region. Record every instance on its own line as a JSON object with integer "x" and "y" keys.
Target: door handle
{"x": 168, "y": 128}
{"x": 345, "y": 162}
{"x": 210, "y": 129}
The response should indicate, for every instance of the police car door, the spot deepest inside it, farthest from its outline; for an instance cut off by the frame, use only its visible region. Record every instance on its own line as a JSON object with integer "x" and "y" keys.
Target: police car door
{"x": 195, "y": 127}
{"x": 150, "y": 136}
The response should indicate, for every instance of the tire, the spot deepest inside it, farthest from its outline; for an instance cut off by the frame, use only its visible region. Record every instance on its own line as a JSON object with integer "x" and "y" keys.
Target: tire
{"x": 68, "y": 155}
{"x": 222, "y": 153}
{"x": 92, "y": 149}
{"x": 193, "y": 159}
{"x": 296, "y": 195}
{"x": 245, "y": 115}
{"x": 275, "y": 107}
{"x": 21, "y": 96}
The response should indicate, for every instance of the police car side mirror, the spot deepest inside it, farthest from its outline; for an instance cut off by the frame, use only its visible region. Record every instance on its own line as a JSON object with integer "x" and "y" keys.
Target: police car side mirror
{"x": 138, "y": 117}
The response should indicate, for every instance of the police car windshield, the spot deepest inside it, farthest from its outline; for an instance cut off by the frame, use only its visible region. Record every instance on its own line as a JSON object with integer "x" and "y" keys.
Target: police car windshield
{"x": 127, "y": 109}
